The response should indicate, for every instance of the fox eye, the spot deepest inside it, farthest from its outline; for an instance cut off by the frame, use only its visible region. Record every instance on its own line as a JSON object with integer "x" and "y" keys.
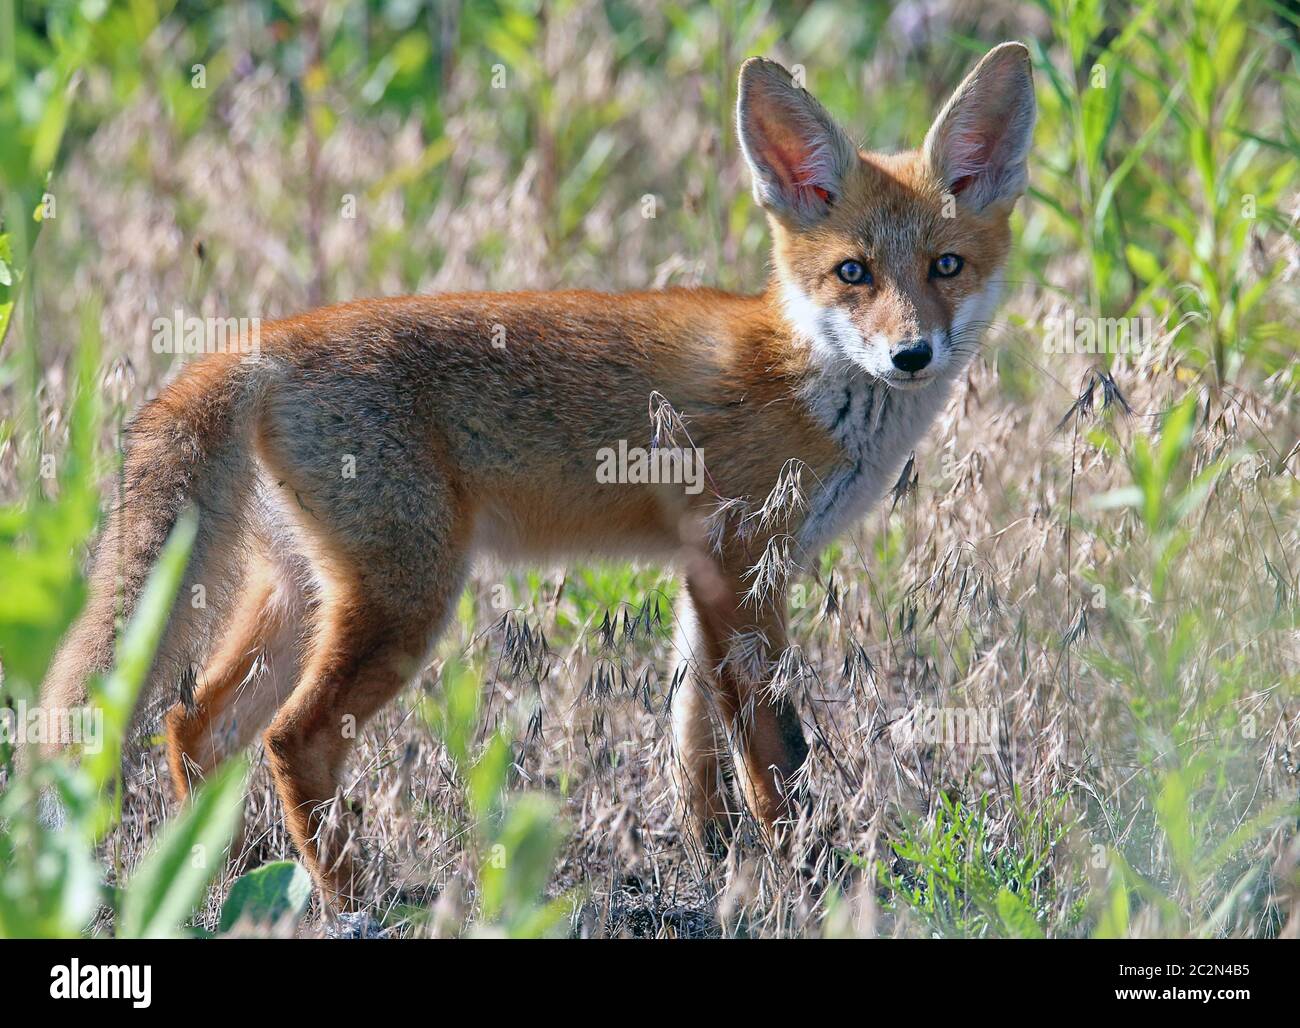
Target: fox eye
{"x": 946, "y": 266}
{"x": 853, "y": 273}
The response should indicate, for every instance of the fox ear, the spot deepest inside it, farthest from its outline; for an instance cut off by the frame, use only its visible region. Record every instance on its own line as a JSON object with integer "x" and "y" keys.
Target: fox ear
{"x": 796, "y": 153}
{"x": 979, "y": 144}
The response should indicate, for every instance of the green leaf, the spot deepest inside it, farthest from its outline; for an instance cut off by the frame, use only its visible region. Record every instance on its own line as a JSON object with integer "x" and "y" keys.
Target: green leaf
{"x": 454, "y": 719}
{"x": 1174, "y": 814}
{"x": 1114, "y": 921}
{"x": 268, "y": 895}
{"x": 50, "y": 880}
{"x": 1016, "y": 916}
{"x": 1143, "y": 262}
{"x": 171, "y": 882}
{"x": 518, "y": 865}
{"x": 1131, "y": 159}
{"x": 487, "y": 778}
{"x": 1125, "y": 496}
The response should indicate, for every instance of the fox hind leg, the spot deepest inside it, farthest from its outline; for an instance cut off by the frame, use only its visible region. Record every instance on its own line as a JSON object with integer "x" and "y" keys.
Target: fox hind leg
{"x": 390, "y": 551}
{"x": 366, "y": 649}
{"x": 249, "y": 675}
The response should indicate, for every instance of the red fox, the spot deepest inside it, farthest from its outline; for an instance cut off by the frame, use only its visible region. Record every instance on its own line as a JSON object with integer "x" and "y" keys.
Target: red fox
{"x": 346, "y": 473}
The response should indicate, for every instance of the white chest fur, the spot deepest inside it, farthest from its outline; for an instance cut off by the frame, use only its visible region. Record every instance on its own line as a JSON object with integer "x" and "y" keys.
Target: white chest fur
{"x": 876, "y": 427}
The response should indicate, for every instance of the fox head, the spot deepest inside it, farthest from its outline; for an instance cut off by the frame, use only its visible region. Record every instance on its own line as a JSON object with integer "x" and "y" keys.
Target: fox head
{"x": 890, "y": 263}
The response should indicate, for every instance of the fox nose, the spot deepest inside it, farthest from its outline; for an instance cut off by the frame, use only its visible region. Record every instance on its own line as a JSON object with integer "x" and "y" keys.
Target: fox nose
{"x": 913, "y": 356}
